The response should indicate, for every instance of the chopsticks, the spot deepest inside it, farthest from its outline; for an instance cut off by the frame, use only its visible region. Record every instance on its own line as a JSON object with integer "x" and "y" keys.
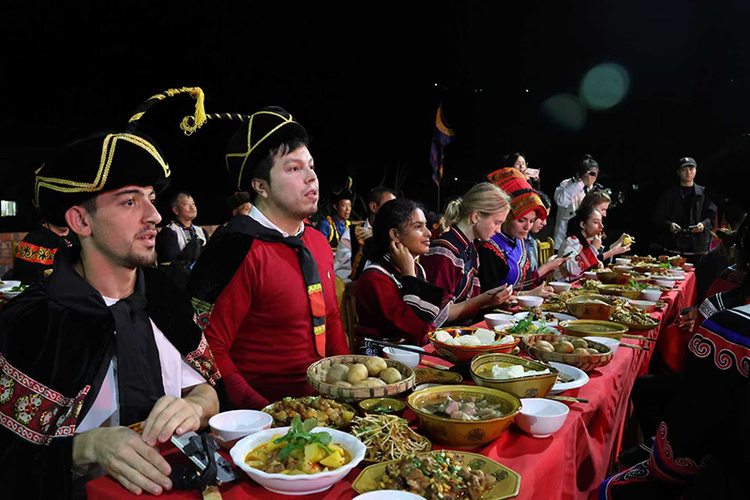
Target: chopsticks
{"x": 567, "y": 398}
{"x": 631, "y": 346}
{"x": 433, "y": 365}
{"x": 638, "y": 337}
{"x": 396, "y": 346}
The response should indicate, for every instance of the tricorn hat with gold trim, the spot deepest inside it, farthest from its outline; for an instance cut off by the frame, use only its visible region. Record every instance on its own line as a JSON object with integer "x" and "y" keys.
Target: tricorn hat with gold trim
{"x": 259, "y": 134}
{"x": 105, "y": 162}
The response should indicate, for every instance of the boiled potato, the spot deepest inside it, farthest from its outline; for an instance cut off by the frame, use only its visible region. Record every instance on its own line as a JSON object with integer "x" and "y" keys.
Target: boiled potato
{"x": 342, "y": 383}
{"x": 579, "y": 343}
{"x": 337, "y": 373}
{"x": 375, "y": 365}
{"x": 580, "y": 351}
{"x": 357, "y": 373}
{"x": 593, "y": 351}
{"x": 390, "y": 376}
{"x": 370, "y": 382}
{"x": 564, "y": 347}
{"x": 543, "y": 345}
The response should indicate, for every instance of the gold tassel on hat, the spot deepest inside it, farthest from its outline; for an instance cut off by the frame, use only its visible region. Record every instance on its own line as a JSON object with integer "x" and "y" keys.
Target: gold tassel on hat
{"x": 189, "y": 124}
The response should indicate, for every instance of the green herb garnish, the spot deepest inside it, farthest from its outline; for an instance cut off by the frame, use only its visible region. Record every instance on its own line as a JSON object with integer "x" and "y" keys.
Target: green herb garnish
{"x": 521, "y": 326}
{"x": 641, "y": 286}
{"x": 299, "y": 436}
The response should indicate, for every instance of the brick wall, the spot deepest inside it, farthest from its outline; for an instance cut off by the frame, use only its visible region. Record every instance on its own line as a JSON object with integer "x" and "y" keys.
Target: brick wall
{"x": 6, "y": 259}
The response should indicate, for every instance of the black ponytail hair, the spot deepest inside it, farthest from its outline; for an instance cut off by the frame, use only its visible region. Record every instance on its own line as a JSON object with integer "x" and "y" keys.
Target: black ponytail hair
{"x": 574, "y": 225}
{"x": 586, "y": 164}
{"x": 393, "y": 214}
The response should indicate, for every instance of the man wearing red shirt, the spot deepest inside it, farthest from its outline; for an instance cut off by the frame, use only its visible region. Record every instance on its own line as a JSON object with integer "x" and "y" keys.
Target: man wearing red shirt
{"x": 264, "y": 290}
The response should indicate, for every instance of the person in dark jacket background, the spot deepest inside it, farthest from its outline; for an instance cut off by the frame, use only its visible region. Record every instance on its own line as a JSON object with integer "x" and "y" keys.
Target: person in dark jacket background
{"x": 685, "y": 216}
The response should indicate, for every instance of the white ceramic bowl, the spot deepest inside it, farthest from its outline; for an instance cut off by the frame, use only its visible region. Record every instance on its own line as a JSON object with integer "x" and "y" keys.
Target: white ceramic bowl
{"x": 687, "y": 266}
{"x": 665, "y": 282}
{"x": 231, "y": 426}
{"x": 9, "y": 284}
{"x": 541, "y": 417}
{"x": 590, "y": 275}
{"x": 644, "y": 305}
{"x": 302, "y": 484}
{"x": 410, "y": 359}
{"x": 529, "y": 300}
{"x": 388, "y": 495}
{"x": 620, "y": 261}
{"x": 497, "y": 320}
{"x": 652, "y": 294}
{"x": 559, "y": 286}
{"x": 677, "y": 272}
{"x": 611, "y": 343}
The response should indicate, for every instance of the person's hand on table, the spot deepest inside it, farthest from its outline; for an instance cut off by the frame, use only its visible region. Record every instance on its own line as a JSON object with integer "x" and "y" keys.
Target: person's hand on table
{"x": 169, "y": 416}
{"x": 125, "y": 456}
{"x": 698, "y": 228}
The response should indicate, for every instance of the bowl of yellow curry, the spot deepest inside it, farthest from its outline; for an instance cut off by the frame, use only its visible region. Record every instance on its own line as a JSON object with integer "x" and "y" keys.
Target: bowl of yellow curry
{"x": 298, "y": 460}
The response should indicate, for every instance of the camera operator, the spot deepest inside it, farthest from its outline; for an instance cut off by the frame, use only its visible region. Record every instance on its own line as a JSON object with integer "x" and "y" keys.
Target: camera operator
{"x": 685, "y": 216}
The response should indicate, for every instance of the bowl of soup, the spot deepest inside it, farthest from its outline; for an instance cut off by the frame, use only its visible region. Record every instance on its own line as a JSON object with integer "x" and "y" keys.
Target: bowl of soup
{"x": 524, "y": 378}
{"x": 462, "y": 415}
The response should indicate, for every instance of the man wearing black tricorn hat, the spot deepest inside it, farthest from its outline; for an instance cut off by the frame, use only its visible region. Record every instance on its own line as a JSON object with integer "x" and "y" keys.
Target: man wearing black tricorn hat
{"x": 685, "y": 215}
{"x": 104, "y": 342}
{"x": 264, "y": 289}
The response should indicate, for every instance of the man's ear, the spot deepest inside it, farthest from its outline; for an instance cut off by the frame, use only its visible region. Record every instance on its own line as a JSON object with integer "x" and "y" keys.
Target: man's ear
{"x": 373, "y": 207}
{"x": 78, "y": 220}
{"x": 261, "y": 187}
{"x": 174, "y": 210}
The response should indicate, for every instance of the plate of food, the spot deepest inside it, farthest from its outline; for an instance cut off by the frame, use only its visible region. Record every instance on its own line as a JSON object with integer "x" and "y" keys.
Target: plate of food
{"x": 461, "y": 474}
{"x": 634, "y": 318}
{"x": 431, "y": 375}
{"x": 14, "y": 290}
{"x": 327, "y": 412}
{"x": 461, "y": 344}
{"x": 550, "y": 318}
{"x": 569, "y": 377}
{"x": 388, "y": 437}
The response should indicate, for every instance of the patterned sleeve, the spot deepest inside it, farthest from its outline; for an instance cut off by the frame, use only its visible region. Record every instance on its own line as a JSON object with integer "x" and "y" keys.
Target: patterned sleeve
{"x": 443, "y": 268}
{"x": 493, "y": 267}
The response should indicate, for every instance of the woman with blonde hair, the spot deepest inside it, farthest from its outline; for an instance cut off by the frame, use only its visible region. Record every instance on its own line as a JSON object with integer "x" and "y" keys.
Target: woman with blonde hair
{"x": 452, "y": 262}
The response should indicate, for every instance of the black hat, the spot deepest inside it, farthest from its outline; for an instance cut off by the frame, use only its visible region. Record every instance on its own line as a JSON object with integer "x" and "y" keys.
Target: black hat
{"x": 105, "y": 162}
{"x": 259, "y": 133}
{"x": 686, "y": 161}
{"x": 344, "y": 193}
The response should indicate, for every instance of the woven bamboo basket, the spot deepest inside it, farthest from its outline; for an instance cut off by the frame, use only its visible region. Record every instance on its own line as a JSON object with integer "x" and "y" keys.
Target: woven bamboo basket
{"x": 317, "y": 371}
{"x": 586, "y": 363}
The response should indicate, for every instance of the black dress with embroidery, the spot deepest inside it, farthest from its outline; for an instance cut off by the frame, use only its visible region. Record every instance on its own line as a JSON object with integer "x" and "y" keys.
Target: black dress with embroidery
{"x": 56, "y": 342}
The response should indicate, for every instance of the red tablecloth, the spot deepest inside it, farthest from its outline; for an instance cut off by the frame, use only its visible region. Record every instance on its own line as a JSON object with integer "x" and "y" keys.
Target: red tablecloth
{"x": 570, "y": 464}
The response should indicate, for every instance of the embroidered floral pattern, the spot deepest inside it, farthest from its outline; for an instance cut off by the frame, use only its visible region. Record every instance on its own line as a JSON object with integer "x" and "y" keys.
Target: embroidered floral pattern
{"x": 202, "y": 312}
{"x": 6, "y": 389}
{"x": 23, "y": 398}
{"x": 202, "y": 359}
{"x": 36, "y": 254}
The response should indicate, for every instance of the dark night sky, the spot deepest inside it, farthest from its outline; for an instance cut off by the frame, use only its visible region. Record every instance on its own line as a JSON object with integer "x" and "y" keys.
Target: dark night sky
{"x": 362, "y": 78}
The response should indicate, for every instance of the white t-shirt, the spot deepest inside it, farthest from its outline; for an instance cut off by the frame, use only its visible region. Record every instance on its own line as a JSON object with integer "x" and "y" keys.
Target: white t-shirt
{"x": 175, "y": 373}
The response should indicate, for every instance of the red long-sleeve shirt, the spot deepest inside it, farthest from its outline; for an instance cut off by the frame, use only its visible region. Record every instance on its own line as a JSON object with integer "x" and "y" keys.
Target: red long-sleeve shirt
{"x": 260, "y": 330}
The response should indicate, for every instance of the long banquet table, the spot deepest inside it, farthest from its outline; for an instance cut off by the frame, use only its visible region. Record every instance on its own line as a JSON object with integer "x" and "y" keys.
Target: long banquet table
{"x": 567, "y": 465}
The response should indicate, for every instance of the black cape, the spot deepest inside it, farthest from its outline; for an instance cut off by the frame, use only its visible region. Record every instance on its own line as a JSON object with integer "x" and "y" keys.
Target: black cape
{"x": 56, "y": 342}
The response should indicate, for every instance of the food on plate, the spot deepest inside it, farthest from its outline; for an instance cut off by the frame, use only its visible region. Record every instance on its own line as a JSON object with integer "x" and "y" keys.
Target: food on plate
{"x": 300, "y": 451}
{"x": 498, "y": 372}
{"x": 357, "y": 373}
{"x": 526, "y": 326}
{"x": 481, "y": 337}
{"x": 388, "y": 437}
{"x": 630, "y": 315}
{"x": 337, "y": 373}
{"x": 470, "y": 408}
{"x": 635, "y": 259}
{"x": 563, "y": 347}
{"x": 390, "y": 376}
{"x": 375, "y": 365}
{"x": 328, "y": 413}
{"x": 437, "y": 476}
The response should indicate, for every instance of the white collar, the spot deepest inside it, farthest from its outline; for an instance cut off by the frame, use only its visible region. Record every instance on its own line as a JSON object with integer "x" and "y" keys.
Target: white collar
{"x": 266, "y": 222}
